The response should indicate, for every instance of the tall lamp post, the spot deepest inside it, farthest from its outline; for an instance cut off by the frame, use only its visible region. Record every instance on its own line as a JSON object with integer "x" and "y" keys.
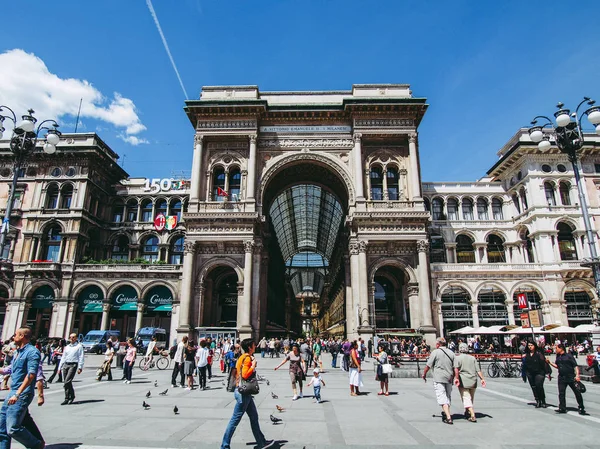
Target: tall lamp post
{"x": 569, "y": 139}
{"x": 23, "y": 143}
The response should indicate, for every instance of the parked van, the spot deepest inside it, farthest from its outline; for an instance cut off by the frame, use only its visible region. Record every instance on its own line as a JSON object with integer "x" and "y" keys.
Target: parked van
{"x": 95, "y": 341}
{"x": 146, "y": 333}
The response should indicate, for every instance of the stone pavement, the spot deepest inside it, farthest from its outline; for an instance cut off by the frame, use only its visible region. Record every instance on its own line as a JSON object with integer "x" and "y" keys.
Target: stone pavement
{"x": 110, "y": 414}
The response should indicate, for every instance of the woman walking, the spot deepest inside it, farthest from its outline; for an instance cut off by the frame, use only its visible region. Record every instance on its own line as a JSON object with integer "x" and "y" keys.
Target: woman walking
{"x": 536, "y": 368}
{"x": 246, "y": 368}
{"x": 383, "y": 378}
{"x": 465, "y": 378}
{"x": 129, "y": 360}
{"x": 108, "y": 358}
{"x": 354, "y": 375}
{"x": 297, "y": 369}
{"x": 56, "y": 356}
{"x": 202, "y": 363}
{"x": 190, "y": 364}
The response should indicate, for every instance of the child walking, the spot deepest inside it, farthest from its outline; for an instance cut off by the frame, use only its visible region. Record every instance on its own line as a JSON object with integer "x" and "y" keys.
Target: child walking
{"x": 316, "y": 382}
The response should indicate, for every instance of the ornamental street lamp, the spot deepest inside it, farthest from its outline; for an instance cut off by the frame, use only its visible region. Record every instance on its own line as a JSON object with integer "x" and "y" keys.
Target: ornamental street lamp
{"x": 23, "y": 144}
{"x": 569, "y": 138}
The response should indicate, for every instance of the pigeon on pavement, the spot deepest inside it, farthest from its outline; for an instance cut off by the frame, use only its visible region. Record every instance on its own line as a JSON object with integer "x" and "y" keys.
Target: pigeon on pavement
{"x": 275, "y": 420}
{"x": 156, "y": 383}
{"x": 175, "y": 410}
{"x": 274, "y": 396}
{"x": 148, "y": 394}
{"x": 145, "y": 405}
{"x": 279, "y": 408}
{"x": 164, "y": 393}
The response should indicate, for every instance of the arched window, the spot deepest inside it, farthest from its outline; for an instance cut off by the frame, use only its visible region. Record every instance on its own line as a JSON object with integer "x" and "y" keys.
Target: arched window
{"x": 52, "y": 197}
{"x": 117, "y": 215}
{"x": 456, "y": 309}
{"x": 492, "y": 307}
{"x": 176, "y": 251}
{"x": 523, "y": 199}
{"x": 516, "y": 203}
{"x": 385, "y": 302}
{"x": 566, "y": 242}
{"x": 218, "y": 191}
{"x": 482, "y": 209}
{"x": 437, "y": 249}
{"x": 452, "y": 206}
{"x": 437, "y": 209}
{"x": 497, "y": 213}
{"x": 66, "y": 196}
{"x": 132, "y": 211}
{"x": 465, "y": 253}
{"x": 533, "y": 298}
{"x": 549, "y": 190}
{"x": 528, "y": 246}
{"x": 51, "y": 243}
{"x": 393, "y": 186}
{"x": 120, "y": 248}
{"x": 150, "y": 249}
{"x": 147, "y": 211}
{"x": 176, "y": 209}
{"x": 467, "y": 209}
{"x": 235, "y": 184}
{"x": 495, "y": 249}
{"x": 161, "y": 207}
{"x": 376, "y": 176}
{"x": 579, "y": 309}
{"x": 565, "y": 195}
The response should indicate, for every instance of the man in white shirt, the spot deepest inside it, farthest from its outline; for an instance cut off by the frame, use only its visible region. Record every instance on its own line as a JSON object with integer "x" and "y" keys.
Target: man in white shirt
{"x": 150, "y": 350}
{"x": 179, "y": 360}
{"x": 71, "y": 362}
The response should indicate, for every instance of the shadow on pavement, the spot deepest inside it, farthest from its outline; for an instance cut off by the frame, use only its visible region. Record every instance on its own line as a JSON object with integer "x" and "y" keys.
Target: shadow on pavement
{"x": 63, "y": 446}
{"x": 86, "y": 401}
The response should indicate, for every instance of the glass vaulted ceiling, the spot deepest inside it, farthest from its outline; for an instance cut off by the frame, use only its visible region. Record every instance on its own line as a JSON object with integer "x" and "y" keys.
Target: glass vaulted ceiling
{"x": 306, "y": 219}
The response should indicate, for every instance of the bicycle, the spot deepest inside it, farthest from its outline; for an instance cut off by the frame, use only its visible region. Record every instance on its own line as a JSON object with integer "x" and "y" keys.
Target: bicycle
{"x": 504, "y": 368}
{"x": 161, "y": 363}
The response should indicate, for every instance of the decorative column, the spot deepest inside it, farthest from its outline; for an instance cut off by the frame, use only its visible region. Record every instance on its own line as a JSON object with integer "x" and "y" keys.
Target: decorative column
{"x": 358, "y": 168}
{"x": 424, "y": 292}
{"x": 415, "y": 185}
{"x": 187, "y": 281}
{"x": 69, "y": 319}
{"x": 385, "y": 185}
{"x": 475, "y": 315}
{"x": 209, "y": 185}
{"x": 368, "y": 178}
{"x": 351, "y": 323}
{"x": 105, "y": 316}
{"x": 365, "y": 326}
{"x": 196, "y": 169}
{"x": 451, "y": 252}
{"x": 355, "y": 284}
{"x": 510, "y": 309}
{"x": 403, "y": 184}
{"x": 245, "y": 308}
{"x": 413, "y": 305}
{"x": 139, "y": 316}
{"x": 200, "y": 293}
{"x": 250, "y": 188}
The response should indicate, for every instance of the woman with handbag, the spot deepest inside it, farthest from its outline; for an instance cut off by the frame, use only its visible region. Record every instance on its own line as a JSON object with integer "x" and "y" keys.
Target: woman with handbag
{"x": 297, "y": 369}
{"x": 536, "y": 369}
{"x": 382, "y": 359}
{"x": 246, "y": 386}
{"x": 465, "y": 378}
{"x": 354, "y": 375}
{"x": 108, "y": 358}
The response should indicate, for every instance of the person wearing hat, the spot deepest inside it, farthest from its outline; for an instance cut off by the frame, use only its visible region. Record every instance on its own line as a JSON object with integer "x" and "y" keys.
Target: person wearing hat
{"x": 465, "y": 378}
{"x": 316, "y": 382}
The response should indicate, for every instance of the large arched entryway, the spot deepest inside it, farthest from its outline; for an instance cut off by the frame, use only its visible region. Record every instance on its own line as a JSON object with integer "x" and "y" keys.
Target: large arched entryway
{"x": 221, "y": 294}
{"x": 305, "y": 204}
{"x": 390, "y": 308}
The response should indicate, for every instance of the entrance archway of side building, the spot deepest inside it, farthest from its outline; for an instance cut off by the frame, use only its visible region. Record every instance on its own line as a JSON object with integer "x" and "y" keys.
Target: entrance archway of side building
{"x": 221, "y": 284}
{"x": 390, "y": 307}
{"x": 305, "y": 198}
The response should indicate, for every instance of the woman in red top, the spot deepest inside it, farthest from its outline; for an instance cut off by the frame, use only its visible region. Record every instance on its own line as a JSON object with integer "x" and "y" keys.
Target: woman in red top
{"x": 246, "y": 367}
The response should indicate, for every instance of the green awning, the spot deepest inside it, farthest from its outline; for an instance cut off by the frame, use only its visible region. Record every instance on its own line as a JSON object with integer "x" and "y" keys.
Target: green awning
{"x": 93, "y": 307}
{"x": 128, "y": 306}
{"x": 165, "y": 308}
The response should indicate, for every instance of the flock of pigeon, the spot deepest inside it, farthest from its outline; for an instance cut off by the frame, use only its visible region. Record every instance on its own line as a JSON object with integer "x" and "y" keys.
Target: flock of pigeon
{"x": 274, "y": 419}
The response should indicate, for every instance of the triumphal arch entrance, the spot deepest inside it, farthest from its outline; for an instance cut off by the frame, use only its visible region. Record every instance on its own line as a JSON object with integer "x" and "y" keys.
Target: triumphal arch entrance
{"x": 306, "y": 214}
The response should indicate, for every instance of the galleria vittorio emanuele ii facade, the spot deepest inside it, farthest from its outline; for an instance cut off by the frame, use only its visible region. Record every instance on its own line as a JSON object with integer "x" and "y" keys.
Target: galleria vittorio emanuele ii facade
{"x": 305, "y": 212}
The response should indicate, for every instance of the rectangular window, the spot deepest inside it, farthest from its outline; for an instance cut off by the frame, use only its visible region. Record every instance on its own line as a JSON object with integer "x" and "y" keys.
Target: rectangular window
{"x": 52, "y": 253}
{"x": 176, "y": 259}
{"x": 17, "y": 199}
{"x": 597, "y": 168}
{"x": 147, "y": 216}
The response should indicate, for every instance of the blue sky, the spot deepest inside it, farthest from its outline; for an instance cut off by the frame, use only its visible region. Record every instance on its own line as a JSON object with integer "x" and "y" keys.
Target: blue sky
{"x": 485, "y": 67}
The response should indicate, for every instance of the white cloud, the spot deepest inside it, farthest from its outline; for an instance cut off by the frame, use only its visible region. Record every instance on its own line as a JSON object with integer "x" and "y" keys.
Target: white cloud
{"x": 26, "y": 82}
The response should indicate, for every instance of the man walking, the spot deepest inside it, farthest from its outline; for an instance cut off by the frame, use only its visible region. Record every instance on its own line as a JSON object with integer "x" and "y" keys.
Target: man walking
{"x": 71, "y": 362}
{"x": 179, "y": 360}
{"x": 14, "y": 408}
{"x": 334, "y": 348}
{"x": 568, "y": 374}
{"x": 441, "y": 361}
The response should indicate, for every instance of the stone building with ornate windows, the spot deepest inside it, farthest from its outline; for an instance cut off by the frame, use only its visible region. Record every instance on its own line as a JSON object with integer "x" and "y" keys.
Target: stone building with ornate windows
{"x": 305, "y": 212}
{"x": 518, "y": 230}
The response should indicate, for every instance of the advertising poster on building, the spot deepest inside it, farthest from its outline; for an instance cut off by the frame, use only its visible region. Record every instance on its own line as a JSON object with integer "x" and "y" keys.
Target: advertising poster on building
{"x": 525, "y": 321}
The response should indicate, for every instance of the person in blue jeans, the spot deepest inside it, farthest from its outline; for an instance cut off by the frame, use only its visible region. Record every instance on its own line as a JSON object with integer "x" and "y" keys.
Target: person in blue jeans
{"x": 246, "y": 367}
{"x": 24, "y": 371}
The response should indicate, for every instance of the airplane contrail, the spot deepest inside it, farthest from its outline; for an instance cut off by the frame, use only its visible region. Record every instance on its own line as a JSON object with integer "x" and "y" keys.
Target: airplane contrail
{"x": 164, "y": 40}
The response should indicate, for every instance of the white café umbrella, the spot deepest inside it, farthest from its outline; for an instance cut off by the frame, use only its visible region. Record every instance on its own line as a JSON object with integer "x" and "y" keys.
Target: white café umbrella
{"x": 462, "y": 331}
{"x": 585, "y": 328}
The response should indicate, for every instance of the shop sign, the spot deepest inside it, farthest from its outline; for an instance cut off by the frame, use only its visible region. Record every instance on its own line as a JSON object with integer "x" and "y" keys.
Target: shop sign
{"x": 90, "y": 299}
{"x": 42, "y": 298}
{"x": 125, "y": 298}
{"x": 159, "y": 299}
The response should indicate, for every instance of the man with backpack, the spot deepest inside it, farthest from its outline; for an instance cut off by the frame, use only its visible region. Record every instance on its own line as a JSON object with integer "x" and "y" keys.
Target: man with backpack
{"x": 178, "y": 357}
{"x": 334, "y": 349}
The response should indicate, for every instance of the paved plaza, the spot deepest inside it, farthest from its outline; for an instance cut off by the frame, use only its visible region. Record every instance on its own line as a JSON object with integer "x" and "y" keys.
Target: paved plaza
{"x": 110, "y": 414}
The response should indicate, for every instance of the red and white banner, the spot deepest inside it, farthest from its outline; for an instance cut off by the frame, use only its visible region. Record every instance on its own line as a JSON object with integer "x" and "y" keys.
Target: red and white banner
{"x": 159, "y": 222}
{"x": 522, "y": 299}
